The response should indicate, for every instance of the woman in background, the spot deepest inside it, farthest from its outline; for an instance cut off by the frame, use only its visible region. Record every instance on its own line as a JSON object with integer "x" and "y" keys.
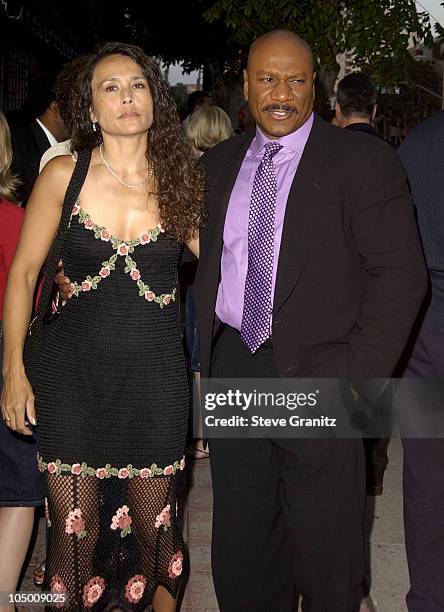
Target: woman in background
{"x": 207, "y": 127}
{"x": 21, "y": 485}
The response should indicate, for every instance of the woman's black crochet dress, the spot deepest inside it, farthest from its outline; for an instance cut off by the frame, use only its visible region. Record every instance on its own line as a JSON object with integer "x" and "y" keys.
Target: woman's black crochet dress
{"x": 112, "y": 409}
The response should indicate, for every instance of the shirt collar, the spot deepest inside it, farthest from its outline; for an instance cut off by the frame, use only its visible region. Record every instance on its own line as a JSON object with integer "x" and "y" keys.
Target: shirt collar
{"x": 294, "y": 142}
{"x": 49, "y": 136}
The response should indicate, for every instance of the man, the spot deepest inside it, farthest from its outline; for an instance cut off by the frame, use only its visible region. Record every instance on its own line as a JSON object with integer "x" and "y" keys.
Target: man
{"x": 355, "y": 110}
{"x": 31, "y": 141}
{"x": 421, "y": 402}
{"x": 321, "y": 275}
{"x": 356, "y": 103}
{"x": 196, "y": 100}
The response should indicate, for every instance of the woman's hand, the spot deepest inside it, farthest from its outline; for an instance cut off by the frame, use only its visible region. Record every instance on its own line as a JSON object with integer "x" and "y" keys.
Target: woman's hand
{"x": 17, "y": 403}
{"x": 63, "y": 284}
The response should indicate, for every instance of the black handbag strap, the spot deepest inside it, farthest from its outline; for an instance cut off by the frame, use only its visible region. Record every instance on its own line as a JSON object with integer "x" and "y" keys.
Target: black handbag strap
{"x": 72, "y": 193}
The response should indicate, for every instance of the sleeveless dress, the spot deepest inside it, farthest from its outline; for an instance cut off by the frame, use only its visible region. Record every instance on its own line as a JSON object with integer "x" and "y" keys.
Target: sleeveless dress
{"x": 112, "y": 409}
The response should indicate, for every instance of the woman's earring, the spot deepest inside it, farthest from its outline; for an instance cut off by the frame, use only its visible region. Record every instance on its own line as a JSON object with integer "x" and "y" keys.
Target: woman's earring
{"x": 94, "y": 126}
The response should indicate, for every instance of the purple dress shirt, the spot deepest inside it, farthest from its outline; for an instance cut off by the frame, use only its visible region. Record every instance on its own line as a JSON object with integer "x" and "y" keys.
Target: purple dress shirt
{"x": 234, "y": 262}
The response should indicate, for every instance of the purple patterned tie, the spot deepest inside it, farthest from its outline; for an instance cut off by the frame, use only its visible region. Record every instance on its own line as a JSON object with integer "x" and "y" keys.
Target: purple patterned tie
{"x": 255, "y": 328}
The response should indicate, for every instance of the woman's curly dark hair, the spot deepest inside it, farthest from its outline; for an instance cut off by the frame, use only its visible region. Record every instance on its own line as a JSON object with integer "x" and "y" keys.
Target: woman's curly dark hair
{"x": 179, "y": 178}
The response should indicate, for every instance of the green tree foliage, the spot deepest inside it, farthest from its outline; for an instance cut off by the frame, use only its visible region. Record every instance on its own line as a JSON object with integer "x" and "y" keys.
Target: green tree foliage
{"x": 376, "y": 32}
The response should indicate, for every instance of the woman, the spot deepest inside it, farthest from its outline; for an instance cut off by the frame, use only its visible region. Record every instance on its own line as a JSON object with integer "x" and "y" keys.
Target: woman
{"x": 21, "y": 485}
{"x": 207, "y": 127}
{"x": 111, "y": 391}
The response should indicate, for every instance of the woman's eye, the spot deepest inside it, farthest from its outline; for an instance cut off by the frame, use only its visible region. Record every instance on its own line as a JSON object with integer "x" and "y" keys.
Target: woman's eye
{"x": 110, "y": 88}
{"x": 139, "y": 85}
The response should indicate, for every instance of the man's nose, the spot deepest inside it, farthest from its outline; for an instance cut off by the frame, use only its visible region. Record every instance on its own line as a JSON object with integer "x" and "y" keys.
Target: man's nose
{"x": 282, "y": 91}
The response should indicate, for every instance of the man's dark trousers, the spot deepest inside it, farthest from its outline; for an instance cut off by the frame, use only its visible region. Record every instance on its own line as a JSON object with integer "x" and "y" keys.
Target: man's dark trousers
{"x": 287, "y": 512}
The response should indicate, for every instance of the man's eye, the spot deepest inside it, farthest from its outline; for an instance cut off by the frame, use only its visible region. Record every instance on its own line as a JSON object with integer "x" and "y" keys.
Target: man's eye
{"x": 267, "y": 79}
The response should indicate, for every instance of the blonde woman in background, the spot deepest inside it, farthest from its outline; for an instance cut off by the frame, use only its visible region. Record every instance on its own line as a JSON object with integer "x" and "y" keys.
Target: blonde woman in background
{"x": 207, "y": 127}
{"x": 21, "y": 485}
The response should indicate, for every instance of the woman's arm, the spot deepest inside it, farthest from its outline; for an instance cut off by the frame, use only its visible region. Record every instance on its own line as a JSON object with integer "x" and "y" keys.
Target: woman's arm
{"x": 41, "y": 221}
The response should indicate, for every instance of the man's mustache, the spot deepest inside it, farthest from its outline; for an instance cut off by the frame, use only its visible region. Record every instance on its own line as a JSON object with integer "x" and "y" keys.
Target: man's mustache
{"x": 280, "y": 107}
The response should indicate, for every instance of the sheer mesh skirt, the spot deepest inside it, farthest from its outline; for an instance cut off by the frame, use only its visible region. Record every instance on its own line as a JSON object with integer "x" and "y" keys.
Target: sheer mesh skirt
{"x": 113, "y": 539}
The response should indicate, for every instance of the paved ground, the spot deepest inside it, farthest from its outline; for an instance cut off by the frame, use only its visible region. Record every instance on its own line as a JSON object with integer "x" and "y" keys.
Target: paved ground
{"x": 384, "y": 519}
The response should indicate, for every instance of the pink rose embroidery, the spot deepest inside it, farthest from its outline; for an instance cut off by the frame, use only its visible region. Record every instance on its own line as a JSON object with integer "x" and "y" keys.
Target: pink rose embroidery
{"x": 166, "y": 299}
{"x": 163, "y": 519}
{"x": 145, "y": 473}
{"x": 57, "y": 586}
{"x": 93, "y": 591}
{"x": 135, "y": 274}
{"x": 72, "y": 286}
{"x": 104, "y": 272}
{"x": 86, "y": 285}
{"x": 122, "y": 249}
{"x": 182, "y": 464}
{"x": 76, "y": 469}
{"x": 134, "y": 588}
{"x": 52, "y": 467}
{"x": 149, "y": 295}
{"x": 89, "y": 224}
{"x": 101, "y": 473}
{"x": 104, "y": 235}
{"x": 122, "y": 520}
{"x": 75, "y": 523}
{"x": 75, "y": 210}
{"x": 123, "y": 473}
{"x": 176, "y": 565}
{"x": 145, "y": 238}
{"x": 168, "y": 470}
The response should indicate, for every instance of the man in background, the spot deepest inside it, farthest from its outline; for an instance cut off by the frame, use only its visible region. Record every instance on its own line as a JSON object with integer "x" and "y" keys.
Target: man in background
{"x": 29, "y": 142}
{"x": 355, "y": 110}
{"x": 420, "y": 402}
{"x": 196, "y": 100}
{"x": 356, "y": 103}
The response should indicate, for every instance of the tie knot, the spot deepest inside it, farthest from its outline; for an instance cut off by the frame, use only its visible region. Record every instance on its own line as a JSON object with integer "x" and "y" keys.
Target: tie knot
{"x": 271, "y": 148}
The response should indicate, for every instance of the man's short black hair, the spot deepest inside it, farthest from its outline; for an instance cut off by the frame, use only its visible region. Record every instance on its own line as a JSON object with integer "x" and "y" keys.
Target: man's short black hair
{"x": 196, "y": 98}
{"x": 356, "y": 95}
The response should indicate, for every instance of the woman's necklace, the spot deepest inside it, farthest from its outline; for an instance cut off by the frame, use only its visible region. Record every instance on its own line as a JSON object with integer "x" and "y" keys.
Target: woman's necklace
{"x": 129, "y": 185}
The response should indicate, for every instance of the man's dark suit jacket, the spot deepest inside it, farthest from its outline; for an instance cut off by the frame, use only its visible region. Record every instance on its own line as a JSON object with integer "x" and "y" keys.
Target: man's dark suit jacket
{"x": 350, "y": 276}
{"x": 28, "y": 145}
{"x": 422, "y": 155}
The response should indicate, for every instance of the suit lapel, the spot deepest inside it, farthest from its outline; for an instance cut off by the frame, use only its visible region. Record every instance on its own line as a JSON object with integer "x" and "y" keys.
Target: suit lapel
{"x": 302, "y": 212}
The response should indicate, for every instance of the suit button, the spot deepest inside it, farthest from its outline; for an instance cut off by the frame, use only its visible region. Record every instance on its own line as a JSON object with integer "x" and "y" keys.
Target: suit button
{"x": 276, "y": 322}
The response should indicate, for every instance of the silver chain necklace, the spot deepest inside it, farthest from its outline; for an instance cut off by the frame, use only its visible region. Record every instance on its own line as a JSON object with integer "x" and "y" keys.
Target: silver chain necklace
{"x": 129, "y": 185}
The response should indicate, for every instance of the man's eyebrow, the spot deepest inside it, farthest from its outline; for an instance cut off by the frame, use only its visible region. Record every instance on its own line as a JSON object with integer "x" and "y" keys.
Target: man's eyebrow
{"x": 262, "y": 72}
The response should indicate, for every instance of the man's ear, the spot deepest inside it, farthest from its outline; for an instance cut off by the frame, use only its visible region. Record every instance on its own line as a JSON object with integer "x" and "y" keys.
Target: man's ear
{"x": 338, "y": 113}
{"x": 54, "y": 108}
{"x": 245, "y": 85}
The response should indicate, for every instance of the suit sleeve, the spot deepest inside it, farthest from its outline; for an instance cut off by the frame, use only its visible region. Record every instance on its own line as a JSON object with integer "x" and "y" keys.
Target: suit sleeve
{"x": 386, "y": 236}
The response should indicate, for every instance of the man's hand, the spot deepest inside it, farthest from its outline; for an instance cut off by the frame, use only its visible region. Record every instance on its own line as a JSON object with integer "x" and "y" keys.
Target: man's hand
{"x": 63, "y": 283}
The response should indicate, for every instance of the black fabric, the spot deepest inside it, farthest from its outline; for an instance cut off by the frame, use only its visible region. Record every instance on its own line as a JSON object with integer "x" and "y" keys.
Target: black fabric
{"x": 422, "y": 155}
{"x": 112, "y": 405}
{"x": 29, "y": 142}
{"x": 33, "y": 343}
{"x": 349, "y": 240}
{"x": 287, "y": 513}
